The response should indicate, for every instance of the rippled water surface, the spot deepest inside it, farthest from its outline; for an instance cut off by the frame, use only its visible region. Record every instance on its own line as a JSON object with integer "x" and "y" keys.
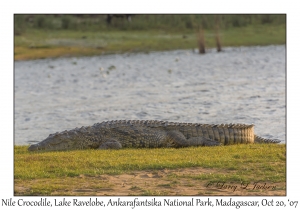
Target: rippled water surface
{"x": 239, "y": 85}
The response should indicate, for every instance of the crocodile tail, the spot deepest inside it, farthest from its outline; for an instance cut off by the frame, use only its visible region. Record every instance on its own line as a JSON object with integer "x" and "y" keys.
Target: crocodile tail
{"x": 260, "y": 140}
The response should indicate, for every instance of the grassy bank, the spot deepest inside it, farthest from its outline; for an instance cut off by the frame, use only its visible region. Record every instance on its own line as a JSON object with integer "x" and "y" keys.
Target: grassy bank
{"x": 47, "y": 172}
{"x": 47, "y": 36}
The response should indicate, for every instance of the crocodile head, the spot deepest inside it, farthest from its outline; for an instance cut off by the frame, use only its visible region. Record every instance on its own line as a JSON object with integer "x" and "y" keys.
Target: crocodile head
{"x": 67, "y": 140}
{"x": 57, "y": 141}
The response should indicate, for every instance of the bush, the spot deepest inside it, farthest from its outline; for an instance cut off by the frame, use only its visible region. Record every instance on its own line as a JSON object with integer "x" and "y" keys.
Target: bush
{"x": 19, "y": 25}
{"x": 142, "y": 22}
{"x": 65, "y": 22}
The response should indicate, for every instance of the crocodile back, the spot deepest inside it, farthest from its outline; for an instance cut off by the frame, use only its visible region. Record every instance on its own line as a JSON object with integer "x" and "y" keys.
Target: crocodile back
{"x": 223, "y": 133}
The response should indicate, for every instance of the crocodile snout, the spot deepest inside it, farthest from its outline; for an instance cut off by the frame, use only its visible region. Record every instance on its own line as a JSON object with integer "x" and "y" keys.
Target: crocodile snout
{"x": 34, "y": 147}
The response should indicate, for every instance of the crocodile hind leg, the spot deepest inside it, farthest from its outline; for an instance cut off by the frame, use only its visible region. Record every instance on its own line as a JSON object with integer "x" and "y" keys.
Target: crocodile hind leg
{"x": 177, "y": 139}
{"x": 110, "y": 144}
{"x": 202, "y": 141}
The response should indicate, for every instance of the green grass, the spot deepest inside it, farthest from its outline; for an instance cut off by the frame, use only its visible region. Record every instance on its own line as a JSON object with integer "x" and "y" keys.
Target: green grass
{"x": 54, "y": 173}
{"x": 37, "y": 43}
{"x": 264, "y": 161}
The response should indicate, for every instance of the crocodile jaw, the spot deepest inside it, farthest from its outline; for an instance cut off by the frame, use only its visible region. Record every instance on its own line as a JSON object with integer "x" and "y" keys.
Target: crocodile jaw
{"x": 34, "y": 147}
{"x": 50, "y": 143}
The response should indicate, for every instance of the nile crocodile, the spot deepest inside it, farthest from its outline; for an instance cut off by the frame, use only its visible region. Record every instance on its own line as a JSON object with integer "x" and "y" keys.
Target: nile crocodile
{"x": 149, "y": 134}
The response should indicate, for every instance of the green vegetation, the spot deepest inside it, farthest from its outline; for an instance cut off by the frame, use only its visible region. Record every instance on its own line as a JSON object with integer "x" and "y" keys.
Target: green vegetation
{"x": 263, "y": 161}
{"x": 237, "y": 163}
{"x": 41, "y": 36}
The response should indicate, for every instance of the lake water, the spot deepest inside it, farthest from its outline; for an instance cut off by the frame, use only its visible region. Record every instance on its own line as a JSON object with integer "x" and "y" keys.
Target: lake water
{"x": 239, "y": 85}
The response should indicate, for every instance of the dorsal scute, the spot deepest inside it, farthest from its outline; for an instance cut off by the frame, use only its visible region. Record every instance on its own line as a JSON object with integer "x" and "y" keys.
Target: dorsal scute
{"x": 156, "y": 123}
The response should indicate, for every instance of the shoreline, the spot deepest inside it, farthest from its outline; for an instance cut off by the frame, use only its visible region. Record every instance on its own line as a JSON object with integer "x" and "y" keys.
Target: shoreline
{"x": 37, "y": 44}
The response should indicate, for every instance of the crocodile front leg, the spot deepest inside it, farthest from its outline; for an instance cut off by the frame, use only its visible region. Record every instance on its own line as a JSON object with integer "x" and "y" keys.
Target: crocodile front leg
{"x": 110, "y": 144}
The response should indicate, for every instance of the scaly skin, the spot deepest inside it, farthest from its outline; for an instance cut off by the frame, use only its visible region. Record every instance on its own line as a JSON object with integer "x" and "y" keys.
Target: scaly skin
{"x": 149, "y": 134}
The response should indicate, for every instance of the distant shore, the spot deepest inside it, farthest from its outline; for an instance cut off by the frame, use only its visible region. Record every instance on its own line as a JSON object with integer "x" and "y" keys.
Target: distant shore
{"x": 48, "y": 42}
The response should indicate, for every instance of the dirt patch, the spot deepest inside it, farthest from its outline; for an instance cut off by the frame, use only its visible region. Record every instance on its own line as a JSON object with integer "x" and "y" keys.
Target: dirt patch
{"x": 162, "y": 182}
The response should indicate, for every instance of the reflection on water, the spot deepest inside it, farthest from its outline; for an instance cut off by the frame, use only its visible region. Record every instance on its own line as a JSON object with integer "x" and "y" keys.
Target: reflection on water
{"x": 240, "y": 85}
